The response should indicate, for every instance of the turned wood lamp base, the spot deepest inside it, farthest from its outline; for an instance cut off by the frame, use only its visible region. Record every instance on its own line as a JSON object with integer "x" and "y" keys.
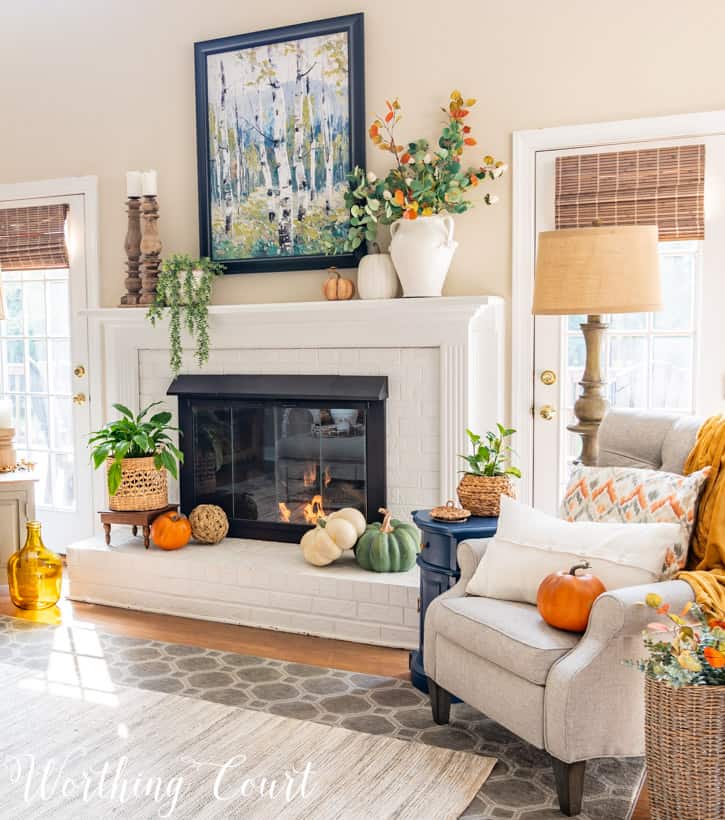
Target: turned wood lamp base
{"x": 592, "y": 405}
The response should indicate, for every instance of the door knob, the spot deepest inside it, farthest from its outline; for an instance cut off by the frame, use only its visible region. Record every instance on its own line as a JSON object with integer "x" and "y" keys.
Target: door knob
{"x": 79, "y": 398}
{"x": 547, "y": 412}
{"x": 548, "y": 377}
{"x": 79, "y": 371}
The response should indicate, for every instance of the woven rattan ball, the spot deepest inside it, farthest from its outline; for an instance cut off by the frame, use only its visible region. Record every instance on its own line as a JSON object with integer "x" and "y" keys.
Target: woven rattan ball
{"x": 209, "y": 523}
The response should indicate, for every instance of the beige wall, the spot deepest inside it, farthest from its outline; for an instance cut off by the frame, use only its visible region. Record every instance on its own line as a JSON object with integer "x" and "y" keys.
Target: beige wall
{"x": 101, "y": 86}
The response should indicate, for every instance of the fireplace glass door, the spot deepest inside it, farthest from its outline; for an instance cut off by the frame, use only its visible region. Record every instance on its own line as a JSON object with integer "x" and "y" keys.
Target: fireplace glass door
{"x": 279, "y": 463}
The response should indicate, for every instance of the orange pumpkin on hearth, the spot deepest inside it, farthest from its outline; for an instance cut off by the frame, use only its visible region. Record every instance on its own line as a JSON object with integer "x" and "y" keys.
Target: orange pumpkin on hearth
{"x": 171, "y": 531}
{"x": 565, "y": 599}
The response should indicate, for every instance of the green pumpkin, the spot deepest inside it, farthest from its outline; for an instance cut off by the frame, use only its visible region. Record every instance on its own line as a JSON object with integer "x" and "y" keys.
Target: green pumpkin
{"x": 387, "y": 547}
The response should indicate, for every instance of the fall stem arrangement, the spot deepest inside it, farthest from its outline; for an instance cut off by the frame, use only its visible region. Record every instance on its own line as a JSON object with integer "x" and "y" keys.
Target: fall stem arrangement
{"x": 425, "y": 180}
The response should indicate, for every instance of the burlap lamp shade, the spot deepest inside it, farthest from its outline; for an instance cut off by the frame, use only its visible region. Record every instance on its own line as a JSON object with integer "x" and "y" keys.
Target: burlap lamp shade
{"x": 597, "y": 270}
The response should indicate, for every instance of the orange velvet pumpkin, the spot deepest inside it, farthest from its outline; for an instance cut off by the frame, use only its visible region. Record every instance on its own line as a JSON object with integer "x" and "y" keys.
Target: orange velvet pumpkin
{"x": 337, "y": 287}
{"x": 565, "y": 599}
{"x": 171, "y": 531}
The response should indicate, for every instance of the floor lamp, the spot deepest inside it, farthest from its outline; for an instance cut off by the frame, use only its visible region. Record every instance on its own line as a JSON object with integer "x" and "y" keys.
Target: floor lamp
{"x": 594, "y": 271}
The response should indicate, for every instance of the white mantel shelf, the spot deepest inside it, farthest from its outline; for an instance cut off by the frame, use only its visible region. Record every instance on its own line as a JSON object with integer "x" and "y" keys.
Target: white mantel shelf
{"x": 352, "y": 308}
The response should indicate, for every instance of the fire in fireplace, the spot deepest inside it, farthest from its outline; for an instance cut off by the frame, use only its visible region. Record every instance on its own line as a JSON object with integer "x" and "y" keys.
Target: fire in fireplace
{"x": 279, "y": 452}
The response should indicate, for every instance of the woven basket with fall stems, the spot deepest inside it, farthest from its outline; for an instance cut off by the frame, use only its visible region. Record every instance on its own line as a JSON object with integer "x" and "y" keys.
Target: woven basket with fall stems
{"x": 142, "y": 487}
{"x": 685, "y": 751}
{"x": 481, "y": 494}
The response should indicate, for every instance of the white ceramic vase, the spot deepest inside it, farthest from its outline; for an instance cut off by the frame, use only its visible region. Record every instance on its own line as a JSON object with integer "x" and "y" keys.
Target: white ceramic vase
{"x": 422, "y": 250}
{"x": 376, "y": 277}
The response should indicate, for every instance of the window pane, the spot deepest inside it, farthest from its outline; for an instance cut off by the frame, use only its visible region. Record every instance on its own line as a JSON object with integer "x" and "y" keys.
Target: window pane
{"x": 61, "y": 415}
{"x": 576, "y": 355}
{"x": 38, "y": 365}
{"x": 628, "y": 321}
{"x": 34, "y": 304}
{"x": 62, "y": 480}
{"x": 39, "y": 421}
{"x": 628, "y": 371}
{"x": 58, "y": 301}
{"x": 678, "y": 279}
{"x": 19, "y": 420}
{"x": 13, "y": 324}
{"x": 15, "y": 362}
{"x": 672, "y": 373}
{"x": 59, "y": 366}
{"x": 573, "y": 322}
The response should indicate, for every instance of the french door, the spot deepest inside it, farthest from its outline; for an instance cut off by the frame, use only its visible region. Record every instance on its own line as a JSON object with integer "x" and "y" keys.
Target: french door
{"x": 43, "y": 370}
{"x": 672, "y": 360}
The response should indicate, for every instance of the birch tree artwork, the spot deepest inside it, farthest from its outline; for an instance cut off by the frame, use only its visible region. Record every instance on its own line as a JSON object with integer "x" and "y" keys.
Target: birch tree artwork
{"x": 279, "y": 148}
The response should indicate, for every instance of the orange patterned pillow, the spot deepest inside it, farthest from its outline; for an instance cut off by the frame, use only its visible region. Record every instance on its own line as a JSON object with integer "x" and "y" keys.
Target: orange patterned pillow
{"x": 632, "y": 495}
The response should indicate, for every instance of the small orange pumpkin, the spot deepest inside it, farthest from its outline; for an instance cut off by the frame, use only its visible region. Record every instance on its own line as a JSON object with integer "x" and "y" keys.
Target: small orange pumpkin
{"x": 171, "y": 531}
{"x": 565, "y": 599}
{"x": 337, "y": 287}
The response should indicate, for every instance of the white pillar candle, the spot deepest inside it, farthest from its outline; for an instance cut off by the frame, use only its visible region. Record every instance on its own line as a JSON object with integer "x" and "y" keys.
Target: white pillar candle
{"x": 134, "y": 182}
{"x": 6, "y": 414}
{"x": 149, "y": 183}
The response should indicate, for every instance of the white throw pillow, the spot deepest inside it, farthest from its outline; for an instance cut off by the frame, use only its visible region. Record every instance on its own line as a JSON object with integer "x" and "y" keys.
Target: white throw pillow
{"x": 529, "y": 545}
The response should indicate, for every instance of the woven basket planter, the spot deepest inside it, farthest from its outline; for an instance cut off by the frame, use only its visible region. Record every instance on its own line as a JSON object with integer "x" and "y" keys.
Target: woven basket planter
{"x": 481, "y": 494}
{"x": 685, "y": 750}
{"x": 142, "y": 487}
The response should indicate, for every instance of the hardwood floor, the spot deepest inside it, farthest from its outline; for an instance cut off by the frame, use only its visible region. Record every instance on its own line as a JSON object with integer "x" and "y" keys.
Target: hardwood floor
{"x": 373, "y": 660}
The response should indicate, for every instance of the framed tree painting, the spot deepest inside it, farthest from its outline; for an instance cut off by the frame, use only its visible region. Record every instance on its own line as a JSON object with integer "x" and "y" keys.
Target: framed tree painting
{"x": 280, "y": 123}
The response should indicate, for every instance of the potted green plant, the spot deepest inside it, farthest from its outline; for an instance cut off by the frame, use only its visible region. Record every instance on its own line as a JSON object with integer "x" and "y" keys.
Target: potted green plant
{"x": 184, "y": 291}
{"x": 488, "y": 472}
{"x": 684, "y": 711}
{"x": 137, "y": 451}
{"x": 418, "y": 196}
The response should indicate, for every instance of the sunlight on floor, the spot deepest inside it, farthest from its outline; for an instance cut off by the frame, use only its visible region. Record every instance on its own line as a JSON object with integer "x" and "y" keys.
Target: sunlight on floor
{"x": 76, "y": 666}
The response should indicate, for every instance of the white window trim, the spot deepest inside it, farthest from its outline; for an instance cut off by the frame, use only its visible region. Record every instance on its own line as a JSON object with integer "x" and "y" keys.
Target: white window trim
{"x": 526, "y": 144}
{"x": 69, "y": 186}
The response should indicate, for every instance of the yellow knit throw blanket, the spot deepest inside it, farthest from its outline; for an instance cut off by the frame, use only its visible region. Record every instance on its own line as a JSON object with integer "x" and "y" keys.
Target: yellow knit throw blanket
{"x": 706, "y": 562}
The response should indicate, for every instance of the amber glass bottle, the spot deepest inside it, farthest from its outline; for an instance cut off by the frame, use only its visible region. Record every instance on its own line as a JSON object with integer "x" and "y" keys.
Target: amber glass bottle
{"x": 34, "y": 573}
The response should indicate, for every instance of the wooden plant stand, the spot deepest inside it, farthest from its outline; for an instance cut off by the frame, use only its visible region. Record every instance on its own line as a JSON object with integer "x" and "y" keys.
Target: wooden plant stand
{"x": 143, "y": 519}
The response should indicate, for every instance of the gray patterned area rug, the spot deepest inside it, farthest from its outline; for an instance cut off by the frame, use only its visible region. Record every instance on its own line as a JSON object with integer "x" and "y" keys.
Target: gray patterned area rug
{"x": 83, "y": 659}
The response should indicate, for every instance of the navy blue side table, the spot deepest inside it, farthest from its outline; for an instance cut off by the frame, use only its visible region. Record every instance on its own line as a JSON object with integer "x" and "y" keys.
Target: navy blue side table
{"x": 439, "y": 568}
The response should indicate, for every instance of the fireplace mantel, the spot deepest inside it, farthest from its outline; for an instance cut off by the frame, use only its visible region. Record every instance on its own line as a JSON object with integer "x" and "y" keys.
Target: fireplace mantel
{"x": 466, "y": 331}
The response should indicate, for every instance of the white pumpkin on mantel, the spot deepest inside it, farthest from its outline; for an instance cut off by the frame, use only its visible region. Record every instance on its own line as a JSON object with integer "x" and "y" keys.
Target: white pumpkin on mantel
{"x": 376, "y": 277}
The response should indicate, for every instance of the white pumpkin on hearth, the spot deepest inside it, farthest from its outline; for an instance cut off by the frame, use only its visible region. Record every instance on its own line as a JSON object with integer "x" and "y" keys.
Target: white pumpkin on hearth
{"x": 332, "y": 536}
{"x": 353, "y": 516}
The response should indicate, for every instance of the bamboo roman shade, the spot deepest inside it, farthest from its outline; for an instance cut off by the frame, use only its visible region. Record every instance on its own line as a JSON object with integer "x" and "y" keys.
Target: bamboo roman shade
{"x": 655, "y": 186}
{"x": 33, "y": 238}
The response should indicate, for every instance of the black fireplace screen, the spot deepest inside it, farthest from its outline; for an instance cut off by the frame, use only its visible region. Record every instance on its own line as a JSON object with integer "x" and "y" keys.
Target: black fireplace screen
{"x": 276, "y": 461}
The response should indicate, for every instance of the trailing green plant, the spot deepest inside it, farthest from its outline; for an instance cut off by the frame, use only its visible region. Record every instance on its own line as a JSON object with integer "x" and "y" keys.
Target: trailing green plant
{"x": 135, "y": 437}
{"x": 491, "y": 457}
{"x": 184, "y": 290}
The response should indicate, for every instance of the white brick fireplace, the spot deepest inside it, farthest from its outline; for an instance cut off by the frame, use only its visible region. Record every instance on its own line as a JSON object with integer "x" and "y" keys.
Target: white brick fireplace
{"x": 443, "y": 360}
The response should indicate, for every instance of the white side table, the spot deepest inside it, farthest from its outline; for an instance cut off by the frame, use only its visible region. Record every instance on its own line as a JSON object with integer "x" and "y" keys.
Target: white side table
{"x": 17, "y": 507}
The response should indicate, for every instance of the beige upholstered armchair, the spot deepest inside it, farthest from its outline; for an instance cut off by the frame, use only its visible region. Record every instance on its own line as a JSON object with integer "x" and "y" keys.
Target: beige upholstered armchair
{"x": 566, "y": 693}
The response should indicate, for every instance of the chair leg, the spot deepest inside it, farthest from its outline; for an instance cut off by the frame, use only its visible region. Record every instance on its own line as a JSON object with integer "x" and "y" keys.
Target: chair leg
{"x": 440, "y": 702}
{"x": 569, "y": 785}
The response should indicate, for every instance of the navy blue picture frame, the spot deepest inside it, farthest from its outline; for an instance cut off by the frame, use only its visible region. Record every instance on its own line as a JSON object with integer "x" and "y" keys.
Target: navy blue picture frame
{"x": 352, "y": 24}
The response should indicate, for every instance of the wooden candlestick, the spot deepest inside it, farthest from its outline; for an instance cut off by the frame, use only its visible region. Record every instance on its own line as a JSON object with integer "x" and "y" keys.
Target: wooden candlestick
{"x": 150, "y": 249}
{"x": 133, "y": 252}
{"x": 8, "y": 459}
